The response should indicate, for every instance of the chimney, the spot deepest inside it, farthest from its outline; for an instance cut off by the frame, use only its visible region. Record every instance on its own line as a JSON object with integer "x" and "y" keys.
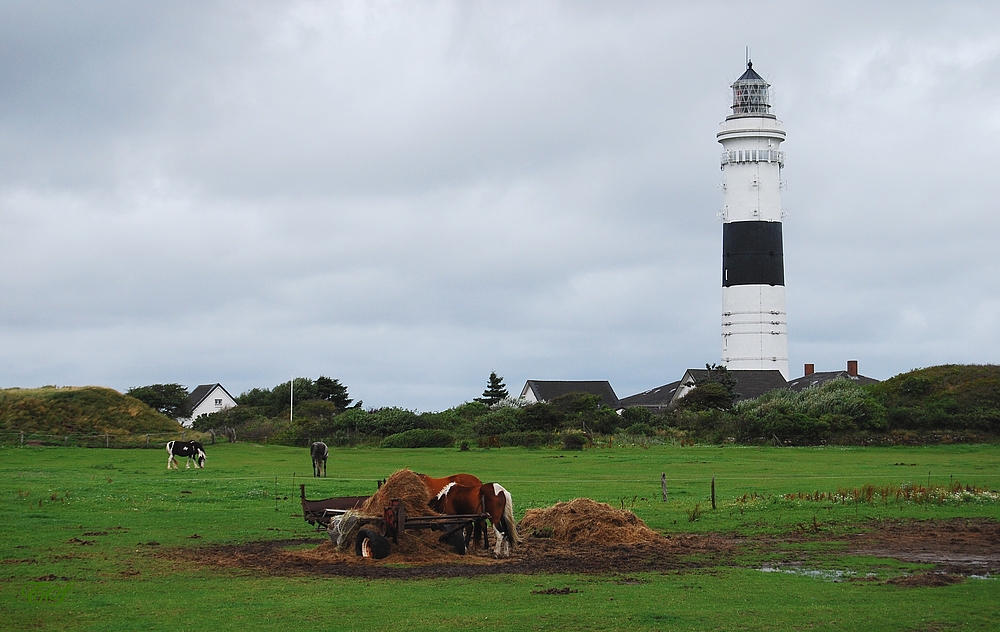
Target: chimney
{"x": 852, "y": 368}
{"x": 810, "y": 369}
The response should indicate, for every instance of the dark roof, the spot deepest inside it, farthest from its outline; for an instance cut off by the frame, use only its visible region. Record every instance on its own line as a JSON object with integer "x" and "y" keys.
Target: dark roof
{"x": 657, "y": 397}
{"x": 202, "y": 391}
{"x": 750, "y": 74}
{"x": 749, "y": 384}
{"x": 547, "y": 390}
{"x": 820, "y": 378}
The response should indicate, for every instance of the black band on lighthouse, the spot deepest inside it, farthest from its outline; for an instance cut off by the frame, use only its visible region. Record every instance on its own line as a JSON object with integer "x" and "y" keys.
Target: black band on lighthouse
{"x": 751, "y": 254}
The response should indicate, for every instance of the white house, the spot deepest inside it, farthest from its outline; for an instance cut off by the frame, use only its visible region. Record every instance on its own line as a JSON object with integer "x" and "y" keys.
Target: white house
{"x": 208, "y": 398}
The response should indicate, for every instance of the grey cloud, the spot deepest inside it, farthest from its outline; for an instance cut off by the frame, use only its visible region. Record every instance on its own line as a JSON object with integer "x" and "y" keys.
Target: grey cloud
{"x": 409, "y": 196}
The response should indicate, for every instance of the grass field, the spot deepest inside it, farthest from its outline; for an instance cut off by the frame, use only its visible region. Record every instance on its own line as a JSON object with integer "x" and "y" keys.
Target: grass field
{"x": 127, "y": 509}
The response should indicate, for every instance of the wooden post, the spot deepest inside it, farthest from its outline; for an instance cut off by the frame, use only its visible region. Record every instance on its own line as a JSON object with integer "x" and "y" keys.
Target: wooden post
{"x": 713, "y": 492}
{"x": 183, "y": 433}
{"x": 107, "y": 442}
{"x": 663, "y": 485}
{"x": 22, "y": 437}
{"x": 65, "y": 441}
{"x": 147, "y": 440}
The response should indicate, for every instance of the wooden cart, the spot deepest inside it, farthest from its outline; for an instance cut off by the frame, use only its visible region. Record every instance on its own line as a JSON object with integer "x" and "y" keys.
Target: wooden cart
{"x": 374, "y": 532}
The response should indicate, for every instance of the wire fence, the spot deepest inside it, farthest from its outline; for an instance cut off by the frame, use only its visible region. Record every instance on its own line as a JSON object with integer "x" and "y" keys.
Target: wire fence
{"x": 107, "y": 440}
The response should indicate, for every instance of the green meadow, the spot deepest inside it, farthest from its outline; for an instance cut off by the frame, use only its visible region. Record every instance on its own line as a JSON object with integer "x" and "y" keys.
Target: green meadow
{"x": 99, "y": 521}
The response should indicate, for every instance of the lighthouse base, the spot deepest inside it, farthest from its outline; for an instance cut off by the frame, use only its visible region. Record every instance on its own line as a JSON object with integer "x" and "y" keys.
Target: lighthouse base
{"x": 754, "y": 329}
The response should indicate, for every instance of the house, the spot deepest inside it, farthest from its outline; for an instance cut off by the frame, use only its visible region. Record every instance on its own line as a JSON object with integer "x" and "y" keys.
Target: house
{"x": 209, "y": 398}
{"x": 655, "y": 399}
{"x": 749, "y": 384}
{"x": 547, "y": 390}
{"x": 811, "y": 378}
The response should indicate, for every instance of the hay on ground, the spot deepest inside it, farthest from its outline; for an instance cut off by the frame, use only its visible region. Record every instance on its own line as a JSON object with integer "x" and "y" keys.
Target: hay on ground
{"x": 585, "y": 520}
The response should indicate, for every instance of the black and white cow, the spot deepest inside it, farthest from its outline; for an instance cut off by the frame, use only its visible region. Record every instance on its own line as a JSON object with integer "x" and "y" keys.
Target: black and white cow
{"x": 319, "y": 453}
{"x": 193, "y": 450}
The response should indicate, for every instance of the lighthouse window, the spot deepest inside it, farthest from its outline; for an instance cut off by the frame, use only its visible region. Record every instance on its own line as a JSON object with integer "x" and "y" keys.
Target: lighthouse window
{"x": 747, "y": 155}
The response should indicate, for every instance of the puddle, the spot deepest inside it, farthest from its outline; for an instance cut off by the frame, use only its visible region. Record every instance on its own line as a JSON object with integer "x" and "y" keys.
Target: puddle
{"x": 825, "y": 575}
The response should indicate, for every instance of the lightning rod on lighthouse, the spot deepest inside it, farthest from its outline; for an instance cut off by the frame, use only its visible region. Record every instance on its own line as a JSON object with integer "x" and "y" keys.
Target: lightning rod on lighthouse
{"x": 754, "y": 328}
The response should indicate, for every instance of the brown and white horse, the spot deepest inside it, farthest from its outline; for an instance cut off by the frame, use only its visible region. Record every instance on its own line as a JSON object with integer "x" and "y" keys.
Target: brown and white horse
{"x": 434, "y": 487}
{"x": 491, "y": 499}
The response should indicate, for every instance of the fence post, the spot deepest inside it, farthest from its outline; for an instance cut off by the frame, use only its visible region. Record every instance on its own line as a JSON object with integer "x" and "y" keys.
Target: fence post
{"x": 147, "y": 440}
{"x": 663, "y": 485}
{"x": 713, "y": 492}
{"x": 107, "y": 442}
{"x": 65, "y": 441}
{"x": 183, "y": 434}
{"x": 22, "y": 437}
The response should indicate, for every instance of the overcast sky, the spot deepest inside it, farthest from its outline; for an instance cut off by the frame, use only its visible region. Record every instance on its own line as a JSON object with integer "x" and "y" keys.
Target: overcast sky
{"x": 408, "y": 195}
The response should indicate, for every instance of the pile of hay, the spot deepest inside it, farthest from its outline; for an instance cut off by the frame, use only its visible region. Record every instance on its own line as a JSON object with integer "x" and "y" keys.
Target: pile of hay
{"x": 585, "y": 520}
{"x": 408, "y": 488}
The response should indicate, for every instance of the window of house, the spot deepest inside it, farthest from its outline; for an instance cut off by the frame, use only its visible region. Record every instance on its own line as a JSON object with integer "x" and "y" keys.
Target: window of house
{"x": 218, "y": 402}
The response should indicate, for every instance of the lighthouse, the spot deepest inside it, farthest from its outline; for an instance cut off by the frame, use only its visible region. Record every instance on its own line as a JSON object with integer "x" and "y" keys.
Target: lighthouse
{"x": 754, "y": 328}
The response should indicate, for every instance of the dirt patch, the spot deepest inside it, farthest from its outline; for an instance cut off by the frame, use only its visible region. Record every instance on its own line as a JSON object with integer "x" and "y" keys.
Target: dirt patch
{"x": 961, "y": 546}
{"x": 535, "y": 556}
{"x": 957, "y": 548}
{"x": 585, "y": 520}
{"x": 555, "y": 591}
{"x": 922, "y": 580}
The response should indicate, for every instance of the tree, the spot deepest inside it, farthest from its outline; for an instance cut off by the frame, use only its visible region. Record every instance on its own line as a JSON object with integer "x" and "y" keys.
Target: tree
{"x": 496, "y": 390}
{"x": 169, "y": 399}
{"x": 723, "y": 397}
{"x": 332, "y": 390}
{"x": 707, "y": 396}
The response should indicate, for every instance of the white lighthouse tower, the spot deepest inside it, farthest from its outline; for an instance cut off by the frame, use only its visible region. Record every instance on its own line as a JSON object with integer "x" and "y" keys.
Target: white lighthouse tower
{"x": 754, "y": 329}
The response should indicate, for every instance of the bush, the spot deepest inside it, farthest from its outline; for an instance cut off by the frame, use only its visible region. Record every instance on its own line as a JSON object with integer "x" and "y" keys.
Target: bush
{"x": 603, "y": 420}
{"x": 640, "y": 429}
{"x": 420, "y": 438}
{"x": 388, "y": 421}
{"x": 837, "y": 407}
{"x": 540, "y": 417}
{"x": 637, "y": 415}
{"x": 524, "y": 439}
{"x": 576, "y": 403}
{"x": 708, "y": 396}
{"x": 497, "y": 422}
{"x": 573, "y": 440}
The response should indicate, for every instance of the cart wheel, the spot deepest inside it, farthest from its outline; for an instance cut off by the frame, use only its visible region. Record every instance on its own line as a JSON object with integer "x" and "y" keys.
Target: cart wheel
{"x": 370, "y": 544}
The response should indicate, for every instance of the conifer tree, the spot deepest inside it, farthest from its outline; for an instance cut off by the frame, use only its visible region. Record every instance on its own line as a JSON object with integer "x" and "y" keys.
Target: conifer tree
{"x": 496, "y": 390}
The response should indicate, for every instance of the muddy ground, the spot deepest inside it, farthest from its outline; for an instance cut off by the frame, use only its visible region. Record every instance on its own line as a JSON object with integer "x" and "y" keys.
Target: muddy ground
{"x": 957, "y": 548}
